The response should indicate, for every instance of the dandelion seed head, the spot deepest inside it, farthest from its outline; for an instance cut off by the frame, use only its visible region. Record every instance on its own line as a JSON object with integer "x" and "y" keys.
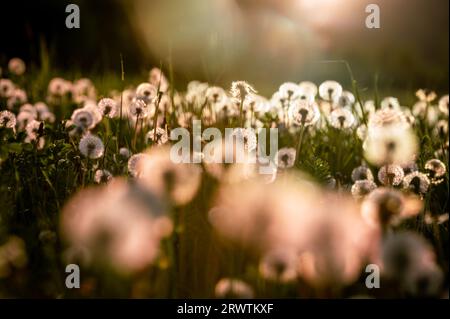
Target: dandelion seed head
{"x": 91, "y": 146}
{"x": 441, "y": 129}
{"x": 6, "y": 88}
{"x": 158, "y": 79}
{"x": 32, "y": 129}
{"x": 391, "y": 175}
{"x": 426, "y": 95}
{"x": 390, "y": 103}
{"x": 164, "y": 178}
{"x": 330, "y": 91}
{"x": 443, "y": 104}
{"x": 436, "y": 170}
{"x": 138, "y": 109}
{"x": 159, "y": 137}
{"x": 308, "y": 88}
{"x": 146, "y": 92}
{"x": 382, "y": 206}
{"x": 240, "y": 89}
{"x": 233, "y": 288}
{"x": 17, "y": 97}
{"x": 361, "y": 132}
{"x": 83, "y": 90}
{"x": 416, "y": 182}
{"x": 289, "y": 90}
{"x": 302, "y": 113}
{"x": 342, "y": 118}
{"x": 102, "y": 176}
{"x": 362, "y": 173}
{"x": 387, "y": 117}
{"x": 285, "y": 157}
{"x": 216, "y": 95}
{"x": 7, "y": 119}
{"x": 59, "y": 87}
{"x": 83, "y": 119}
{"x": 346, "y": 99}
{"x": 16, "y": 66}
{"x": 124, "y": 152}
{"x": 279, "y": 265}
{"x": 134, "y": 164}
{"x": 362, "y": 187}
{"x": 108, "y": 107}
{"x": 390, "y": 145}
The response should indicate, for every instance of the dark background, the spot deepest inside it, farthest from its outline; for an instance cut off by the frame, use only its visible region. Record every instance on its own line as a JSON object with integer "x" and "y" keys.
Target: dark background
{"x": 408, "y": 52}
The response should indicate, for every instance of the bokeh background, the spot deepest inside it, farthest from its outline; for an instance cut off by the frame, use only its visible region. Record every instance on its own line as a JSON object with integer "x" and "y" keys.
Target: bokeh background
{"x": 265, "y": 42}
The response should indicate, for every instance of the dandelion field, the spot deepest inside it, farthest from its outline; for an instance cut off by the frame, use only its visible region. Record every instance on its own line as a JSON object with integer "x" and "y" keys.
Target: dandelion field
{"x": 200, "y": 151}
{"x": 86, "y": 179}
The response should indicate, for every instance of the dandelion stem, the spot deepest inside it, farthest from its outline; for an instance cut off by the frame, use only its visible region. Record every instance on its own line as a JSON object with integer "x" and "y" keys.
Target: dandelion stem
{"x": 300, "y": 142}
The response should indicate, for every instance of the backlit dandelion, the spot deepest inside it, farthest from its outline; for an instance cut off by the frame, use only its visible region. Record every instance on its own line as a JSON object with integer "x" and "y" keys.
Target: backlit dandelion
{"x": 289, "y": 90}
{"x": 83, "y": 119}
{"x": 6, "y": 88}
{"x": 362, "y": 187}
{"x": 216, "y": 95}
{"x": 388, "y": 206}
{"x": 346, "y": 99}
{"x": 240, "y": 89}
{"x": 279, "y": 265}
{"x": 391, "y": 175}
{"x": 233, "y": 288}
{"x": 7, "y": 119}
{"x": 16, "y": 66}
{"x": 158, "y": 79}
{"x": 416, "y": 182}
{"x": 342, "y": 118}
{"x": 330, "y": 91}
{"x": 390, "y": 103}
{"x": 426, "y": 95}
{"x": 307, "y": 91}
{"x": 124, "y": 152}
{"x": 387, "y": 117}
{"x": 443, "y": 105}
{"x": 158, "y": 136}
{"x": 138, "y": 109}
{"x": 246, "y": 136}
{"x": 91, "y": 146}
{"x": 302, "y": 113}
{"x": 33, "y": 130}
{"x": 135, "y": 165}
{"x": 362, "y": 173}
{"x": 102, "y": 176}
{"x": 108, "y": 107}
{"x": 146, "y": 92}
{"x": 59, "y": 87}
{"x": 390, "y": 145}
{"x": 435, "y": 170}
{"x": 285, "y": 157}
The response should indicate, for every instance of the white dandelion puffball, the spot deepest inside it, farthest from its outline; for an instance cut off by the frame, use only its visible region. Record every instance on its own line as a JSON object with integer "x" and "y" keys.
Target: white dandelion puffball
{"x": 7, "y": 119}
{"x": 342, "y": 118}
{"x": 91, "y": 146}
{"x": 16, "y": 66}
{"x": 159, "y": 137}
{"x": 285, "y": 157}
{"x": 330, "y": 91}
{"x": 138, "y": 109}
{"x": 107, "y": 107}
{"x": 240, "y": 89}
{"x": 390, "y": 145}
{"x": 391, "y": 175}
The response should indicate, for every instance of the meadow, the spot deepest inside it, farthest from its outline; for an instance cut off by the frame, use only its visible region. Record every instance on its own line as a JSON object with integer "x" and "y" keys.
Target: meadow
{"x": 86, "y": 178}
